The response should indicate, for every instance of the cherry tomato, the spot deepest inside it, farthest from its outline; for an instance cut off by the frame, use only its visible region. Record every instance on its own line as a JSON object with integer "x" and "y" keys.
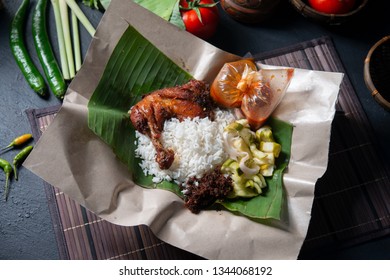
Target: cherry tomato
{"x": 200, "y": 17}
{"x": 332, "y": 6}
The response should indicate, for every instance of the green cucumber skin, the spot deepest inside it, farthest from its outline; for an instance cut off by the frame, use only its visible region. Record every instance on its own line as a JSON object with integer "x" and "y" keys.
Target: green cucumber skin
{"x": 19, "y": 51}
{"x": 45, "y": 53}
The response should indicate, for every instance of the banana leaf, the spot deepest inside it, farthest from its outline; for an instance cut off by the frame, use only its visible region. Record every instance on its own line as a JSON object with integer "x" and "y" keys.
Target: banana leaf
{"x": 176, "y": 18}
{"x": 105, "y": 3}
{"x": 136, "y": 67}
{"x": 162, "y": 8}
{"x": 167, "y": 9}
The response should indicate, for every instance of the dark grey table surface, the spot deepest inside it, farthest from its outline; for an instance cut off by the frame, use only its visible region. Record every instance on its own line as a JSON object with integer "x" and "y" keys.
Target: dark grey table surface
{"x": 25, "y": 226}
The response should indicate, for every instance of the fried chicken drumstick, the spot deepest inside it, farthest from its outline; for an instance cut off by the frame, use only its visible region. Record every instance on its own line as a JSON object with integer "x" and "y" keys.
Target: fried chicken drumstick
{"x": 186, "y": 101}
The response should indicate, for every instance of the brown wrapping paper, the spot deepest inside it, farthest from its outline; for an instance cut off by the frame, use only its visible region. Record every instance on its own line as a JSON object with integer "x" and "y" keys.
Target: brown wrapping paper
{"x": 72, "y": 158}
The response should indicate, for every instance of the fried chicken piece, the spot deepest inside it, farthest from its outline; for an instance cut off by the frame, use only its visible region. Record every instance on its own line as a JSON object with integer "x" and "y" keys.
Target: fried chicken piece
{"x": 186, "y": 101}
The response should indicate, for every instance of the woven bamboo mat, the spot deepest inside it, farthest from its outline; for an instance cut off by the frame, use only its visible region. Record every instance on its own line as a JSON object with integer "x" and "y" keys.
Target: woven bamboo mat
{"x": 350, "y": 204}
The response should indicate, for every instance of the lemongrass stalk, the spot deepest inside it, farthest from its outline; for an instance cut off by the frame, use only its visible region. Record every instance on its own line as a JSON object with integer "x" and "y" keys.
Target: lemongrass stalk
{"x": 81, "y": 16}
{"x": 67, "y": 37}
{"x": 60, "y": 37}
{"x": 76, "y": 41}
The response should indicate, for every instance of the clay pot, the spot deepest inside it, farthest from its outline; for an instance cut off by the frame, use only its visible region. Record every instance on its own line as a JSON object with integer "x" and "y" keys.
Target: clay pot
{"x": 250, "y": 11}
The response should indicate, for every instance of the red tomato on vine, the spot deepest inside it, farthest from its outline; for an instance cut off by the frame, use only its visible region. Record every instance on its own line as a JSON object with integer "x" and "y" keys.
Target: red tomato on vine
{"x": 200, "y": 17}
{"x": 332, "y": 6}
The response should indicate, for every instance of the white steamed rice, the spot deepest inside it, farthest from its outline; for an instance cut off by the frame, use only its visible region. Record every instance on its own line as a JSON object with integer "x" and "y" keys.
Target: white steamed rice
{"x": 197, "y": 143}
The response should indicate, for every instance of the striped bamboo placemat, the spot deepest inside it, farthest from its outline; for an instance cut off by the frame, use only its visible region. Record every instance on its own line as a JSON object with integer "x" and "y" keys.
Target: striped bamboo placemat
{"x": 350, "y": 204}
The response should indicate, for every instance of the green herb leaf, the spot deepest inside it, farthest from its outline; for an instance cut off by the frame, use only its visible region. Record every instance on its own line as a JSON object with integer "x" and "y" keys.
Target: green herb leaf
{"x": 94, "y": 4}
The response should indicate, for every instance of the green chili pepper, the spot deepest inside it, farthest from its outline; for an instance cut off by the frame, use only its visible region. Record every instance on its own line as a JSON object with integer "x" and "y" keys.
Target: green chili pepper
{"x": 7, "y": 168}
{"x": 45, "y": 53}
{"x": 19, "y": 50}
{"x": 19, "y": 158}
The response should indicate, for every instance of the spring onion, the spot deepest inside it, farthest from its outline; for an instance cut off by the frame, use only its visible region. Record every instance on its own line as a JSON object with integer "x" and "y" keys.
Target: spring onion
{"x": 61, "y": 40}
{"x": 67, "y": 37}
{"x": 76, "y": 41}
{"x": 81, "y": 16}
{"x": 70, "y": 55}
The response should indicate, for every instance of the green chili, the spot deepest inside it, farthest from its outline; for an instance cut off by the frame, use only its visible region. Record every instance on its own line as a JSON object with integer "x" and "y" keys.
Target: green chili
{"x": 19, "y": 158}
{"x": 45, "y": 53}
{"x": 7, "y": 168}
{"x": 19, "y": 51}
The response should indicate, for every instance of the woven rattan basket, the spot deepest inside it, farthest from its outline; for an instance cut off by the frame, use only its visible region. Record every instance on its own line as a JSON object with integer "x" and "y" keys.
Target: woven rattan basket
{"x": 303, "y": 7}
{"x": 377, "y": 71}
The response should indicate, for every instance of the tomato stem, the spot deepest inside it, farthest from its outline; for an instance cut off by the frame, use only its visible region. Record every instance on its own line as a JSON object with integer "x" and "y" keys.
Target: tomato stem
{"x": 195, "y": 5}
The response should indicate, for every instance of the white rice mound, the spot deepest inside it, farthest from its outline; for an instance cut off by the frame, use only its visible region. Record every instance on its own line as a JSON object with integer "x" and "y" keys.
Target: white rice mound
{"x": 197, "y": 143}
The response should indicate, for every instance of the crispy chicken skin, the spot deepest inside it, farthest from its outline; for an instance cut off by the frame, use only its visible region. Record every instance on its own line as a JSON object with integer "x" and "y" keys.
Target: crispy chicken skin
{"x": 186, "y": 101}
